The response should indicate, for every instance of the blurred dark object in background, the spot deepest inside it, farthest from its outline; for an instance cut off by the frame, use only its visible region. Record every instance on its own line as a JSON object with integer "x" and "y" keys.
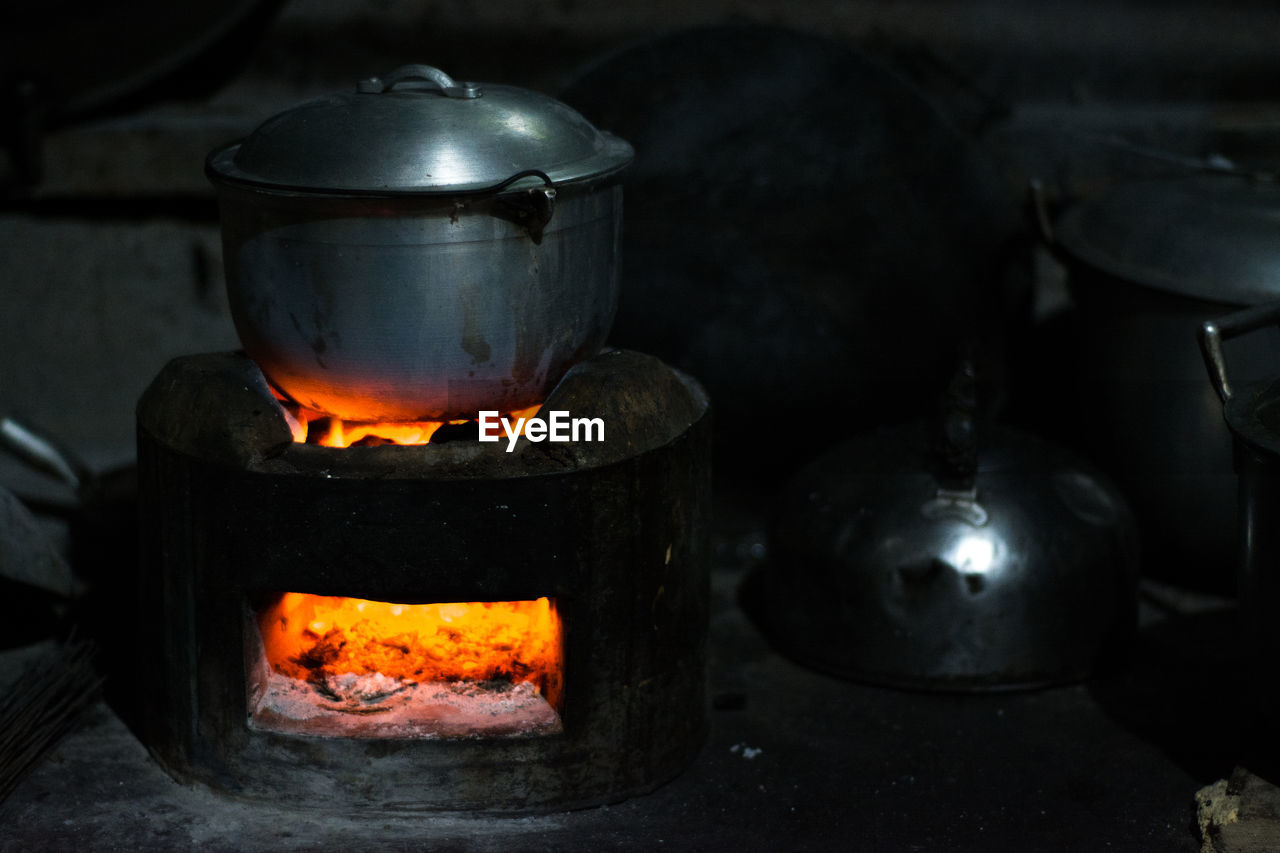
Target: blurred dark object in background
{"x": 61, "y": 62}
{"x": 805, "y": 233}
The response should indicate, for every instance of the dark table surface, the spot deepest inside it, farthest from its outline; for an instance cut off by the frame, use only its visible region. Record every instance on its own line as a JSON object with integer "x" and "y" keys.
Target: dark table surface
{"x": 796, "y": 760}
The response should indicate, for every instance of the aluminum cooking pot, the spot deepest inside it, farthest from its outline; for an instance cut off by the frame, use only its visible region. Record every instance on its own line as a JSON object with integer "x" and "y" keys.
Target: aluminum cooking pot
{"x": 1252, "y": 412}
{"x": 420, "y": 248}
{"x": 1149, "y": 261}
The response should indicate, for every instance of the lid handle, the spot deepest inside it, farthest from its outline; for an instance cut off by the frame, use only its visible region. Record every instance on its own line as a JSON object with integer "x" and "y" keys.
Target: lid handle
{"x": 1214, "y": 332}
{"x": 446, "y": 84}
{"x": 954, "y": 448}
{"x": 955, "y": 439}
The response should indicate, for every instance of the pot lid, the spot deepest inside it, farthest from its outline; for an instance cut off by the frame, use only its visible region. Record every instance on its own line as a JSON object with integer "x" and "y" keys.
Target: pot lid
{"x": 417, "y": 131}
{"x": 1208, "y": 236}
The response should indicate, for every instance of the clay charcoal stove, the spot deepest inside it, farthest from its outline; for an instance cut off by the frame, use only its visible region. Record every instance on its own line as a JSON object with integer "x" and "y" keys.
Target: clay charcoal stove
{"x": 440, "y": 626}
{"x": 356, "y": 592}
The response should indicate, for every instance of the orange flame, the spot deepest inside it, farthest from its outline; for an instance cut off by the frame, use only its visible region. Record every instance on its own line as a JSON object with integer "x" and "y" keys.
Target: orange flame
{"x": 334, "y": 432}
{"x": 343, "y": 434}
{"x": 311, "y": 637}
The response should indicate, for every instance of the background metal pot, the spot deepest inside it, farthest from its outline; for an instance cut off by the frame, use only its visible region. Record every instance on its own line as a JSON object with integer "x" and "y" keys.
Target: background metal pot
{"x": 1148, "y": 262}
{"x": 1252, "y": 412}
{"x": 1253, "y": 416}
{"x": 945, "y": 559}
{"x": 421, "y": 248}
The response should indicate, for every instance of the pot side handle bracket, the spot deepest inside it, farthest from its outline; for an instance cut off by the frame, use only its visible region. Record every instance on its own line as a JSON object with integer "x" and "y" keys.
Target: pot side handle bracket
{"x": 1213, "y": 333}
{"x": 531, "y": 208}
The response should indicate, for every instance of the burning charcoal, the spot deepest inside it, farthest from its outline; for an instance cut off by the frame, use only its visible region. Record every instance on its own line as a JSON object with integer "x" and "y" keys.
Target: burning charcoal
{"x": 322, "y": 654}
{"x": 317, "y": 428}
{"x": 465, "y": 431}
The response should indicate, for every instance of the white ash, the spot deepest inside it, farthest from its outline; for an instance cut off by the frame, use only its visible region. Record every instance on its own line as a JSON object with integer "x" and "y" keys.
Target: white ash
{"x": 366, "y": 688}
{"x": 395, "y": 708}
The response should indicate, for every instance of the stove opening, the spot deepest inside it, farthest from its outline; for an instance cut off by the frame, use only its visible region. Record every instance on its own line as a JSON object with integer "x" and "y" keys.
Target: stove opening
{"x": 349, "y": 667}
{"x": 311, "y": 427}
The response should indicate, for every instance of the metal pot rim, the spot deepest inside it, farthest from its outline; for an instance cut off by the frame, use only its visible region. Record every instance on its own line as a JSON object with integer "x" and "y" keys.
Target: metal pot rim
{"x": 419, "y": 132}
{"x": 1204, "y": 236}
{"x": 221, "y": 169}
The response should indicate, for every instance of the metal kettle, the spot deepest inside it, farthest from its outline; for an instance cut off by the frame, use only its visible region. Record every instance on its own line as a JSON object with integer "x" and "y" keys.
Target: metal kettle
{"x": 949, "y": 556}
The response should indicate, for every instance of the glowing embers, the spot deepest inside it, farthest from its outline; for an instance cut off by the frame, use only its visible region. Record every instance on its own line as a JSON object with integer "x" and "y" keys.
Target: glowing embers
{"x": 315, "y": 428}
{"x": 354, "y": 668}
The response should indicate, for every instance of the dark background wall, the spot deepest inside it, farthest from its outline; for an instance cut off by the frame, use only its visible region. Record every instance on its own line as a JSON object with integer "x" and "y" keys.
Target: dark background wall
{"x": 108, "y": 236}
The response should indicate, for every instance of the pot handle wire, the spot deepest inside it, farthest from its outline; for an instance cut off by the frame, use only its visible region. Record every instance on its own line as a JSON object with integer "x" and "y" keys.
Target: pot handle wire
{"x": 531, "y": 208}
{"x": 1213, "y": 332}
